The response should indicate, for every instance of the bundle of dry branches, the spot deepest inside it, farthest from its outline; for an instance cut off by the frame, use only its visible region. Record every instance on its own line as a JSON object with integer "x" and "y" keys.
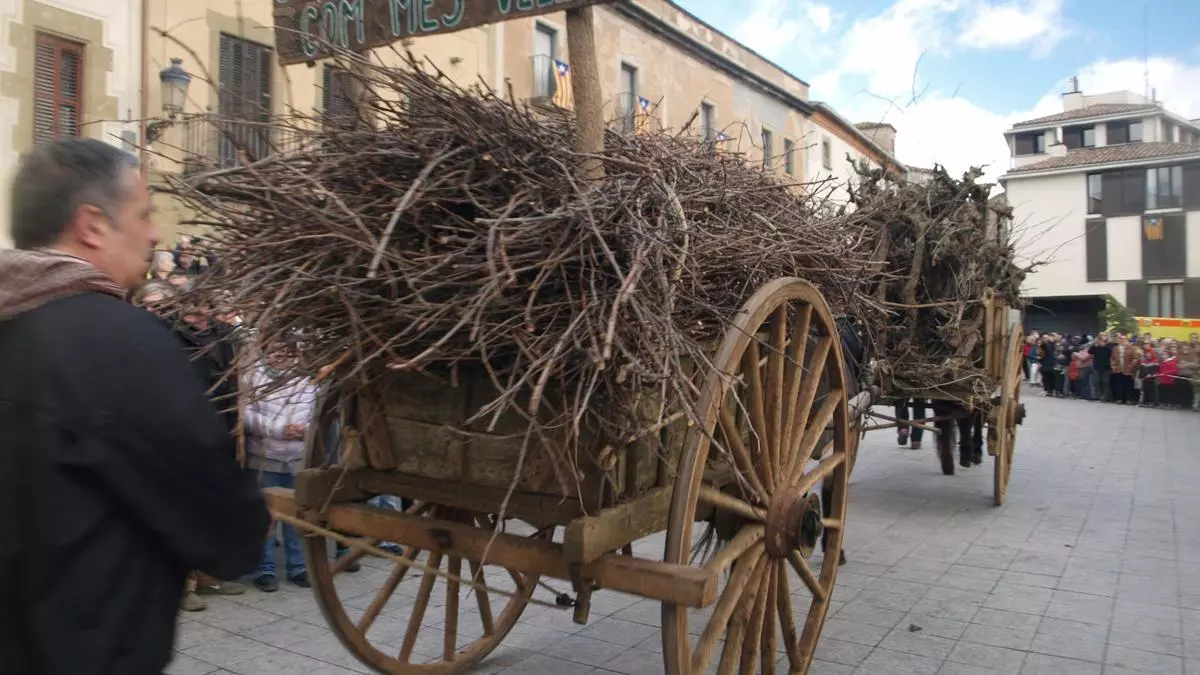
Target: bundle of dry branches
{"x": 449, "y": 230}
{"x": 946, "y": 248}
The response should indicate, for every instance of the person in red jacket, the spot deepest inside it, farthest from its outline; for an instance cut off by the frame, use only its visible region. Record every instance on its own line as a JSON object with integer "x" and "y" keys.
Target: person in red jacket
{"x": 1168, "y": 375}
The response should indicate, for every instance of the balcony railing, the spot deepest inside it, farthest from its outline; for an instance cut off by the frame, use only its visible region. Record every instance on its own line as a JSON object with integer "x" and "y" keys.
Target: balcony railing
{"x": 214, "y": 142}
{"x": 626, "y": 112}
{"x": 545, "y": 84}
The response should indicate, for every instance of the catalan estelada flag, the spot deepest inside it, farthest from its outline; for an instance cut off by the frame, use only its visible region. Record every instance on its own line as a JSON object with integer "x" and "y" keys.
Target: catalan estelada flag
{"x": 563, "y": 97}
{"x": 643, "y": 114}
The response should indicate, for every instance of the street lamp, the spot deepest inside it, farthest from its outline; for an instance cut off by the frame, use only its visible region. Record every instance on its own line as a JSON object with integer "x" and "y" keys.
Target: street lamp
{"x": 174, "y": 80}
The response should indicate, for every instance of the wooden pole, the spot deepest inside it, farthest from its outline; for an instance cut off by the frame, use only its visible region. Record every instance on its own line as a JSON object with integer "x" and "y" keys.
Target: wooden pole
{"x": 585, "y": 87}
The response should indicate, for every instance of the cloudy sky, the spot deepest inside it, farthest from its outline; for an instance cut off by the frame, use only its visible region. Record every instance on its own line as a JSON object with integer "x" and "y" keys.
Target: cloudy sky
{"x": 952, "y": 75}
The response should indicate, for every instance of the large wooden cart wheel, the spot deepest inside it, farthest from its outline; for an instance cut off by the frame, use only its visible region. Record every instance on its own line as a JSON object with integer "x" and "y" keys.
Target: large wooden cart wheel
{"x": 1006, "y": 415}
{"x": 436, "y": 626}
{"x": 773, "y": 409}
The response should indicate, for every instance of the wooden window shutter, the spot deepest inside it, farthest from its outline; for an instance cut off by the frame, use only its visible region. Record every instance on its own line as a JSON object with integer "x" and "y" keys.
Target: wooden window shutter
{"x": 58, "y": 88}
{"x": 337, "y": 97}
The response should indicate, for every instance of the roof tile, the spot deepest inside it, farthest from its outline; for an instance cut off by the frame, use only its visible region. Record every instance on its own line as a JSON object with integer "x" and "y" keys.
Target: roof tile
{"x": 1098, "y": 110}
{"x": 1127, "y": 152}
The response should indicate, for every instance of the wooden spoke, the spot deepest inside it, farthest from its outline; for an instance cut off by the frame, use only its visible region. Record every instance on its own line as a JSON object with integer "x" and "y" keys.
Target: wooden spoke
{"x": 389, "y": 587}
{"x": 806, "y": 397}
{"x": 730, "y": 600}
{"x": 760, "y": 436}
{"x": 823, "y": 469}
{"x": 481, "y": 599}
{"x": 807, "y": 576}
{"x": 775, "y": 389}
{"x": 794, "y": 370}
{"x": 750, "y": 653}
{"x": 727, "y": 502}
{"x": 450, "y": 645}
{"x": 769, "y": 622}
{"x": 742, "y": 460}
{"x": 747, "y": 538}
{"x": 831, "y": 523}
{"x": 787, "y": 622}
{"x": 735, "y": 642}
{"x": 419, "y": 607}
{"x": 816, "y": 428}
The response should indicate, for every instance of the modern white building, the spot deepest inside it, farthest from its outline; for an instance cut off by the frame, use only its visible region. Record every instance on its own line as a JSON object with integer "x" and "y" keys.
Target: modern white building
{"x": 1108, "y": 191}
{"x": 67, "y": 68}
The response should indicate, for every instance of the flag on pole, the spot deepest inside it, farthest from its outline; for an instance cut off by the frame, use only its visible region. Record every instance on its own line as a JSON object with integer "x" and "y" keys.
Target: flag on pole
{"x": 563, "y": 96}
{"x": 643, "y": 114}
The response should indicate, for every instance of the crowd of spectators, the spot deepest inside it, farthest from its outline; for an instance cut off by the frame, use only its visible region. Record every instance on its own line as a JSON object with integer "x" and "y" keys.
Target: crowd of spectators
{"x": 1117, "y": 368}
{"x": 272, "y": 427}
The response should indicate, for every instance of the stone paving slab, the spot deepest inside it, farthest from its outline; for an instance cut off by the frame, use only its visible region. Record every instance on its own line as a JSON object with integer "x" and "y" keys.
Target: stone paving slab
{"x": 1086, "y": 570}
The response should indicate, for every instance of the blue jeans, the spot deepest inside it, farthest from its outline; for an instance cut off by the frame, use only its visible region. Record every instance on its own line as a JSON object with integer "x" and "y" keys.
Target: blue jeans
{"x": 293, "y": 552}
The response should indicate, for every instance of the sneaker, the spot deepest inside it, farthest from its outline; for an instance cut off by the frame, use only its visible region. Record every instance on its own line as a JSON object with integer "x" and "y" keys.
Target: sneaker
{"x": 300, "y": 580}
{"x": 916, "y": 445}
{"x": 192, "y": 603}
{"x": 221, "y": 588}
{"x": 902, "y": 439}
{"x": 267, "y": 583}
{"x": 352, "y": 567}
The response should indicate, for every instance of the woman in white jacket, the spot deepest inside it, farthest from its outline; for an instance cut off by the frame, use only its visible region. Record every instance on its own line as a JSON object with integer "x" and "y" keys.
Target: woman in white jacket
{"x": 275, "y": 423}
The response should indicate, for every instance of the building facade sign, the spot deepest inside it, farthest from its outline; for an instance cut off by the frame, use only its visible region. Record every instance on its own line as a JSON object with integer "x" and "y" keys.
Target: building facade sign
{"x": 305, "y": 29}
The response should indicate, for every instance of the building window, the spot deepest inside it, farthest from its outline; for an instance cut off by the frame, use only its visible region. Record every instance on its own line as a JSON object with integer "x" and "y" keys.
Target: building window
{"x": 789, "y": 157}
{"x": 826, "y": 154}
{"x": 708, "y": 122}
{"x": 768, "y": 148}
{"x": 1168, "y": 132}
{"x": 1032, "y": 143}
{"x": 1124, "y": 132}
{"x": 1164, "y": 187}
{"x": 243, "y": 100}
{"x": 627, "y": 98}
{"x": 545, "y": 50}
{"x": 1095, "y": 188}
{"x": 57, "y": 88}
{"x": 337, "y": 97}
{"x": 1079, "y": 137}
{"x": 1166, "y": 301}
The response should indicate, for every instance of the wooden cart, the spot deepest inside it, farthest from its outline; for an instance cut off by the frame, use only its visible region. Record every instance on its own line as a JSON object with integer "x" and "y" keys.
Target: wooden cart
{"x": 765, "y": 464}
{"x": 1001, "y": 412}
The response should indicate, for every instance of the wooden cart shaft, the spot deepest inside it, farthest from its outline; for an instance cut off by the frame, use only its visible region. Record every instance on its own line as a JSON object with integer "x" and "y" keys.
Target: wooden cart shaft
{"x": 680, "y": 584}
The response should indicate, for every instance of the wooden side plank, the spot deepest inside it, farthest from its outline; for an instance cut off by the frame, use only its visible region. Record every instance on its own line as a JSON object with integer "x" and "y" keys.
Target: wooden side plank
{"x": 534, "y": 508}
{"x": 587, "y": 539}
{"x": 680, "y": 584}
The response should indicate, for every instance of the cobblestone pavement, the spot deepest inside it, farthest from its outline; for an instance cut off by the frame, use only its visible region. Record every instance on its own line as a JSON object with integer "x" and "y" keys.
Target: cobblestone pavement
{"x": 1085, "y": 570}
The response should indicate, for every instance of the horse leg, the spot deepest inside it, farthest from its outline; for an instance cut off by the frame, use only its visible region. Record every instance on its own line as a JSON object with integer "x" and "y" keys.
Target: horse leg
{"x": 966, "y": 425}
{"x": 977, "y": 437}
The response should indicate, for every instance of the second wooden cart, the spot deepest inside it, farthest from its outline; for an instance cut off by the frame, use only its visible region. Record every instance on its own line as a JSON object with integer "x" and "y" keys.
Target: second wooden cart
{"x": 999, "y": 414}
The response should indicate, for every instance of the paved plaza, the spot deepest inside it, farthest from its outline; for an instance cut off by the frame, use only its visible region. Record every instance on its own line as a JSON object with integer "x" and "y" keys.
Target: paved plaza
{"x": 1087, "y": 569}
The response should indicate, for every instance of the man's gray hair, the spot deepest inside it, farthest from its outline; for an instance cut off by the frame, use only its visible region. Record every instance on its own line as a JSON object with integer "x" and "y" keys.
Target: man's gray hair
{"x": 57, "y": 178}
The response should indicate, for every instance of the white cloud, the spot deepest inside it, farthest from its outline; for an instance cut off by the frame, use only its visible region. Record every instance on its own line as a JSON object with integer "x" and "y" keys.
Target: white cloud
{"x": 1017, "y": 23}
{"x": 887, "y": 48}
{"x": 957, "y": 133}
{"x": 773, "y": 27}
{"x": 820, "y": 15}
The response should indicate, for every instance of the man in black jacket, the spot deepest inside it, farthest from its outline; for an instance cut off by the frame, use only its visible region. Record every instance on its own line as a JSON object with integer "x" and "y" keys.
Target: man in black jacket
{"x": 111, "y": 488}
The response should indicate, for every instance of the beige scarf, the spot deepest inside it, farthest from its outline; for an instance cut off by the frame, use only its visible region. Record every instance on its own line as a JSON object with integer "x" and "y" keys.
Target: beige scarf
{"x": 32, "y": 278}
